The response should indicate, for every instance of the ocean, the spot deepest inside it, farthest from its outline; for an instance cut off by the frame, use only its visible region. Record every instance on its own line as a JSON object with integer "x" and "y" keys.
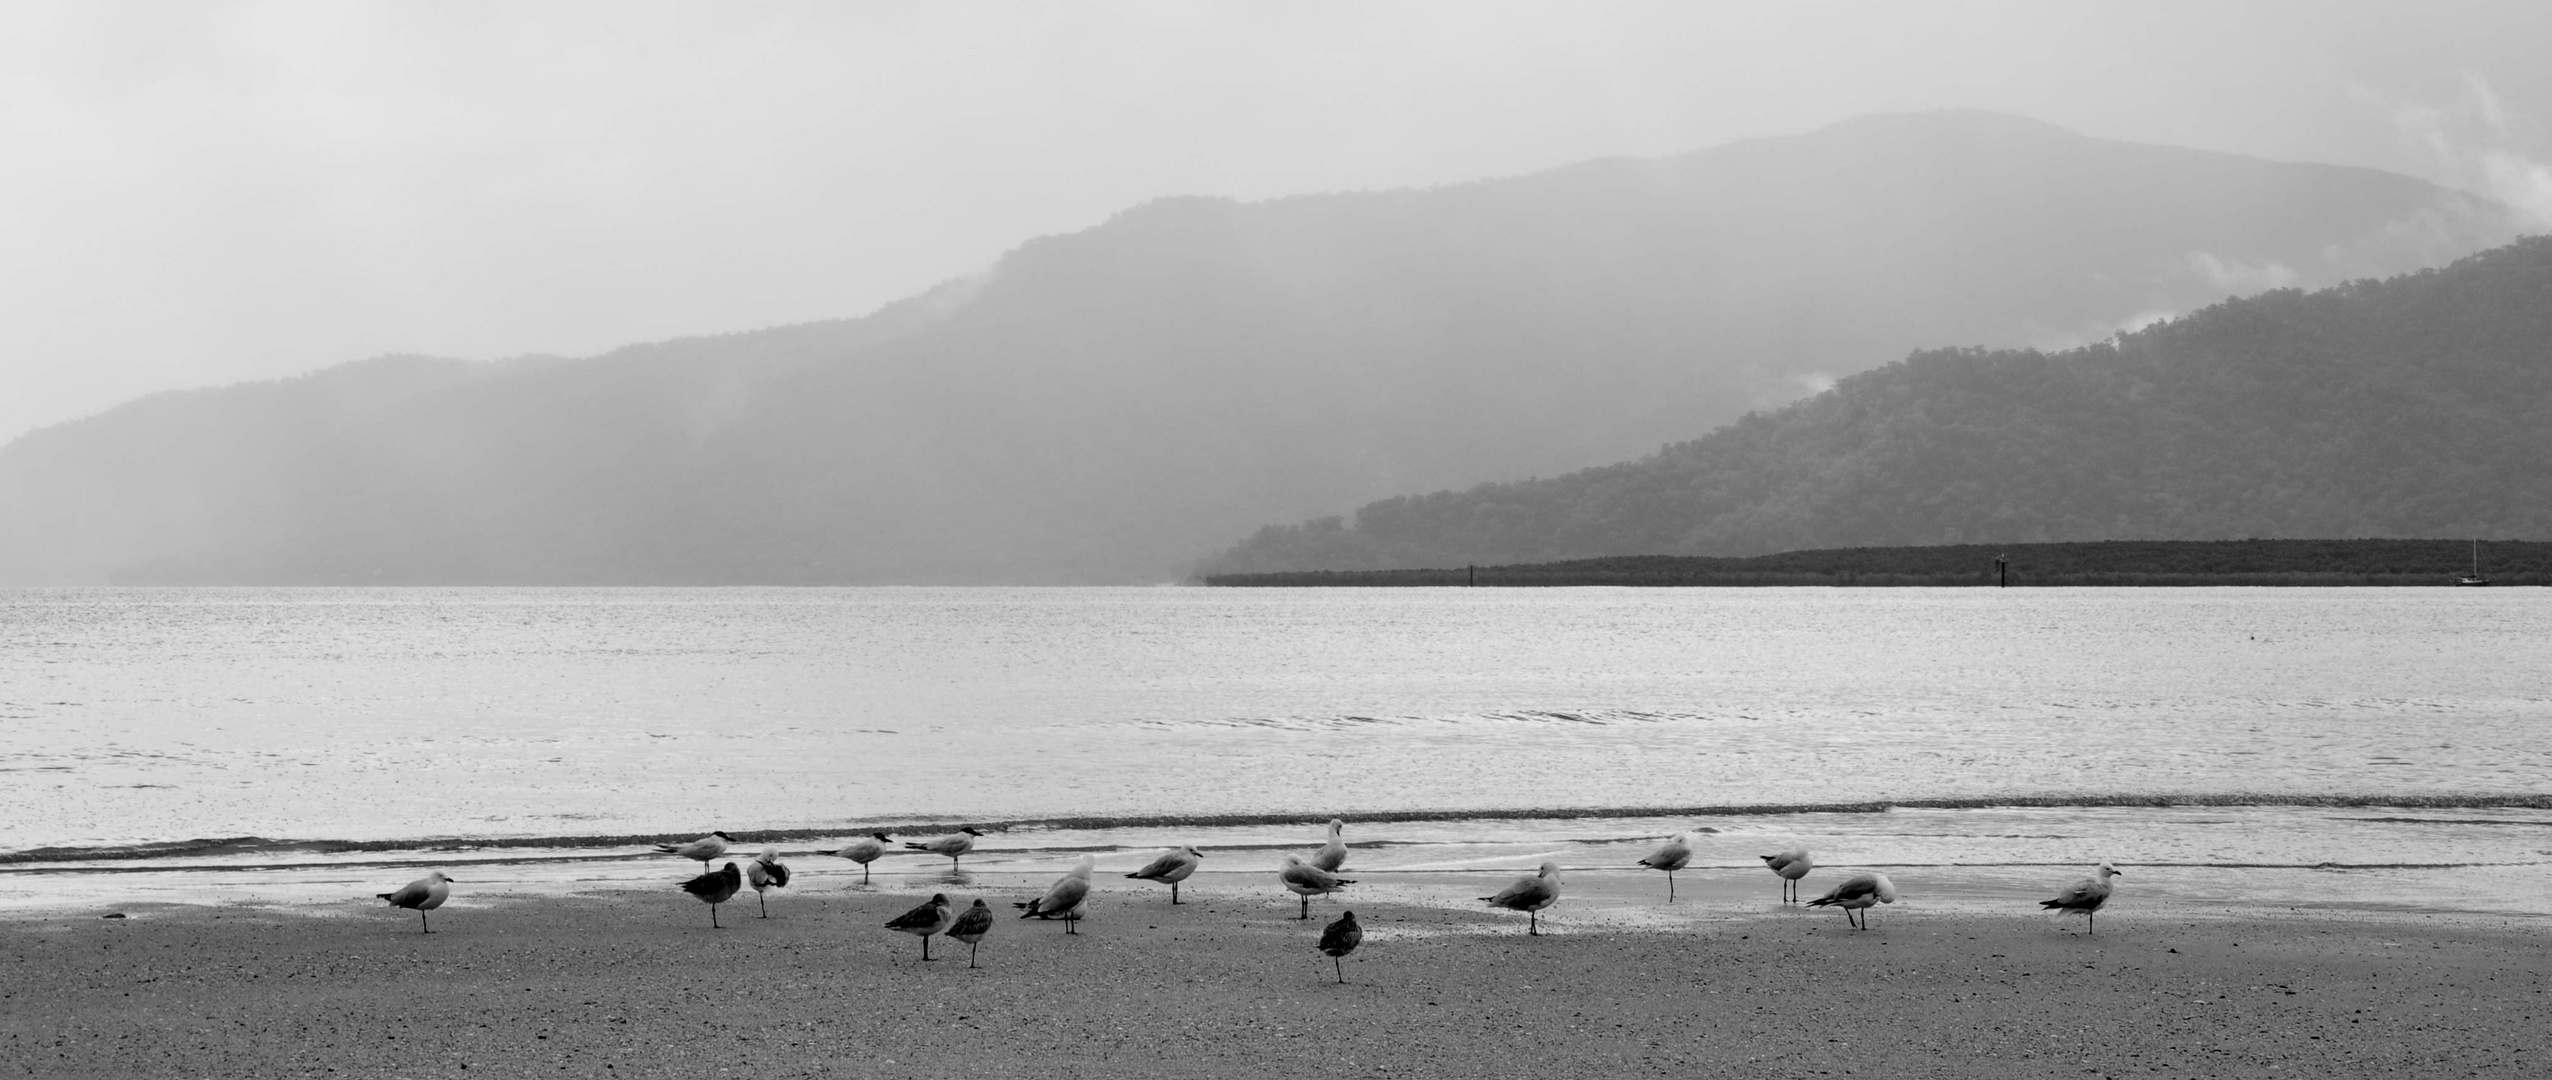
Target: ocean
{"x": 302, "y": 745}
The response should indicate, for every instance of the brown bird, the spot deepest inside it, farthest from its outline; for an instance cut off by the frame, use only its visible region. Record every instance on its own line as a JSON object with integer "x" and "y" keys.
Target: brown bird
{"x": 1339, "y": 939}
{"x": 930, "y": 918}
{"x": 714, "y": 888}
{"x": 422, "y": 895}
{"x": 1172, "y": 867}
{"x": 765, "y": 873}
{"x": 970, "y": 927}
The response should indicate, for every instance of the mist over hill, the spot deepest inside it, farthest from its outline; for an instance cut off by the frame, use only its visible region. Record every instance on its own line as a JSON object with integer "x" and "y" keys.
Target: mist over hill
{"x": 1105, "y": 406}
{"x": 2408, "y": 407}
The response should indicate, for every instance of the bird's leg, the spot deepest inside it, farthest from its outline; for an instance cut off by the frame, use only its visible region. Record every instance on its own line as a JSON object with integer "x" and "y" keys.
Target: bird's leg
{"x": 1174, "y": 892}
{"x": 970, "y": 952}
{"x": 1670, "y": 886}
{"x": 1306, "y": 909}
{"x": 2091, "y": 922}
{"x": 1533, "y": 923}
{"x": 1341, "y": 965}
{"x": 863, "y": 873}
{"x": 713, "y": 917}
{"x": 427, "y": 923}
{"x": 925, "y": 946}
{"x": 765, "y": 902}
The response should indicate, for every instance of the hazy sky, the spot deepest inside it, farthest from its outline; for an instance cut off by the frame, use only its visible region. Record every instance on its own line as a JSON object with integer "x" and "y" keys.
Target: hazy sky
{"x": 195, "y": 193}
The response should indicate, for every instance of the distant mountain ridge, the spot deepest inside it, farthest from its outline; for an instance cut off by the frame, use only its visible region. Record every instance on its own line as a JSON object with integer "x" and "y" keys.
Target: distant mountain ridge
{"x": 2399, "y": 408}
{"x": 1108, "y": 405}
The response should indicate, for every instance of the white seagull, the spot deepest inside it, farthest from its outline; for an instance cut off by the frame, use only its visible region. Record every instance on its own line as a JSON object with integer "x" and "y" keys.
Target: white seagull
{"x": 930, "y": 918}
{"x": 1791, "y": 865}
{"x": 1856, "y": 893}
{"x": 715, "y": 888}
{"x": 1172, "y": 867}
{"x": 1307, "y": 881}
{"x": 952, "y": 845}
{"x": 1063, "y": 899}
{"x": 1333, "y": 854}
{"x": 428, "y": 893}
{"x": 863, "y": 851}
{"x": 1530, "y": 895}
{"x": 766, "y": 873}
{"x": 2084, "y": 896}
{"x": 703, "y": 849}
{"x": 1675, "y": 855}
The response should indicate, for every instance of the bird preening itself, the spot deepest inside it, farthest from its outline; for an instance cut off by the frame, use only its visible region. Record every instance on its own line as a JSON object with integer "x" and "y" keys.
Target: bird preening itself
{"x": 930, "y": 918}
{"x": 2085, "y": 896}
{"x": 1305, "y": 880}
{"x": 952, "y": 845}
{"x": 1333, "y": 854}
{"x": 1791, "y": 865}
{"x": 428, "y": 893}
{"x": 1339, "y": 939}
{"x": 1858, "y": 892}
{"x": 714, "y": 888}
{"x": 766, "y": 873}
{"x": 1063, "y": 899}
{"x": 1172, "y": 867}
{"x": 970, "y": 927}
{"x": 1530, "y": 895}
{"x": 863, "y": 851}
{"x": 703, "y": 849}
{"x": 1675, "y": 855}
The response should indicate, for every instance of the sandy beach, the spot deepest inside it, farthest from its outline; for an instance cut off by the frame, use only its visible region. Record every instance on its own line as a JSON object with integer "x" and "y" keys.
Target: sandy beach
{"x": 637, "y": 984}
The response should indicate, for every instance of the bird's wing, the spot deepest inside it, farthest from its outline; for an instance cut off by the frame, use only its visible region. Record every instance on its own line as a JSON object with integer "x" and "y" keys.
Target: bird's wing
{"x": 779, "y": 875}
{"x": 1853, "y": 888}
{"x": 973, "y": 920}
{"x": 1157, "y": 867}
{"x": 408, "y": 895}
{"x": 921, "y": 917}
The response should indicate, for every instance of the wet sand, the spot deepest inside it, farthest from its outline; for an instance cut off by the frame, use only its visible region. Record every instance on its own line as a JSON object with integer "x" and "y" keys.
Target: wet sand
{"x": 637, "y": 984}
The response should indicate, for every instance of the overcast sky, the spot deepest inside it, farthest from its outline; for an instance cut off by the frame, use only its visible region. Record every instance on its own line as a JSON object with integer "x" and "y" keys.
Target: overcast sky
{"x": 196, "y": 193}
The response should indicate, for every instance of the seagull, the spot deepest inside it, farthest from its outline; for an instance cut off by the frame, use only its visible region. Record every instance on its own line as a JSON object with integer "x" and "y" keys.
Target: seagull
{"x": 1307, "y": 881}
{"x": 1675, "y": 855}
{"x": 952, "y": 845}
{"x": 1063, "y": 899}
{"x": 1530, "y": 895}
{"x": 1172, "y": 867}
{"x": 704, "y": 849}
{"x": 428, "y": 893}
{"x": 1791, "y": 865}
{"x": 1857, "y": 892}
{"x": 863, "y": 851}
{"x": 970, "y": 927}
{"x": 715, "y": 888}
{"x": 766, "y": 873}
{"x": 1339, "y": 939}
{"x": 1333, "y": 854}
{"x": 2084, "y": 896}
{"x": 930, "y": 918}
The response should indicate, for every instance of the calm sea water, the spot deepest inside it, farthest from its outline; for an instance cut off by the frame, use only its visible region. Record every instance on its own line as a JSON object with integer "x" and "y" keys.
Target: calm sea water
{"x": 562, "y": 719}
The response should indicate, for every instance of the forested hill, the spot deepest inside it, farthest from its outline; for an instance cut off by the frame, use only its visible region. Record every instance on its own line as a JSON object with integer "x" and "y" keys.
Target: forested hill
{"x": 1109, "y": 405}
{"x": 2414, "y": 406}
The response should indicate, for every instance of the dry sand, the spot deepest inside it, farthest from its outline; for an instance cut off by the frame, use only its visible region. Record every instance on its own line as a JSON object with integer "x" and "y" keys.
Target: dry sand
{"x": 638, "y": 984}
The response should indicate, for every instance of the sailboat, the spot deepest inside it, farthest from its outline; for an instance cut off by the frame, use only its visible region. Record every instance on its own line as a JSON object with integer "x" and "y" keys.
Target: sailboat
{"x": 2474, "y": 578}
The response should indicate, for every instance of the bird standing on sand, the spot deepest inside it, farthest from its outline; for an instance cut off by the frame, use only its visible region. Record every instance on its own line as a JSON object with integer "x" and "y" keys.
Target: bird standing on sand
{"x": 1675, "y": 855}
{"x": 1172, "y": 867}
{"x": 715, "y": 888}
{"x": 1530, "y": 895}
{"x": 1339, "y": 939}
{"x": 1791, "y": 865}
{"x": 2084, "y": 896}
{"x": 428, "y": 893}
{"x": 1856, "y": 893}
{"x": 766, "y": 873}
{"x": 930, "y": 918}
{"x": 1307, "y": 881}
{"x": 1063, "y": 899}
{"x": 703, "y": 849}
{"x": 971, "y": 926}
{"x": 863, "y": 851}
{"x": 1333, "y": 854}
{"x": 952, "y": 845}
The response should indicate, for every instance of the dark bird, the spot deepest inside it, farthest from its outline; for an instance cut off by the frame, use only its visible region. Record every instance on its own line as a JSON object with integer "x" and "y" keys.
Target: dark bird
{"x": 1675, "y": 855}
{"x": 1339, "y": 939}
{"x": 1172, "y": 867}
{"x": 952, "y": 845}
{"x": 766, "y": 873}
{"x": 1333, "y": 854}
{"x": 1530, "y": 895}
{"x": 863, "y": 851}
{"x": 930, "y": 918}
{"x": 715, "y": 888}
{"x": 1305, "y": 880}
{"x": 1858, "y": 892}
{"x": 703, "y": 849}
{"x": 1063, "y": 899}
{"x": 423, "y": 895}
{"x": 1791, "y": 865}
{"x": 971, "y": 926}
{"x": 2083, "y": 897}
